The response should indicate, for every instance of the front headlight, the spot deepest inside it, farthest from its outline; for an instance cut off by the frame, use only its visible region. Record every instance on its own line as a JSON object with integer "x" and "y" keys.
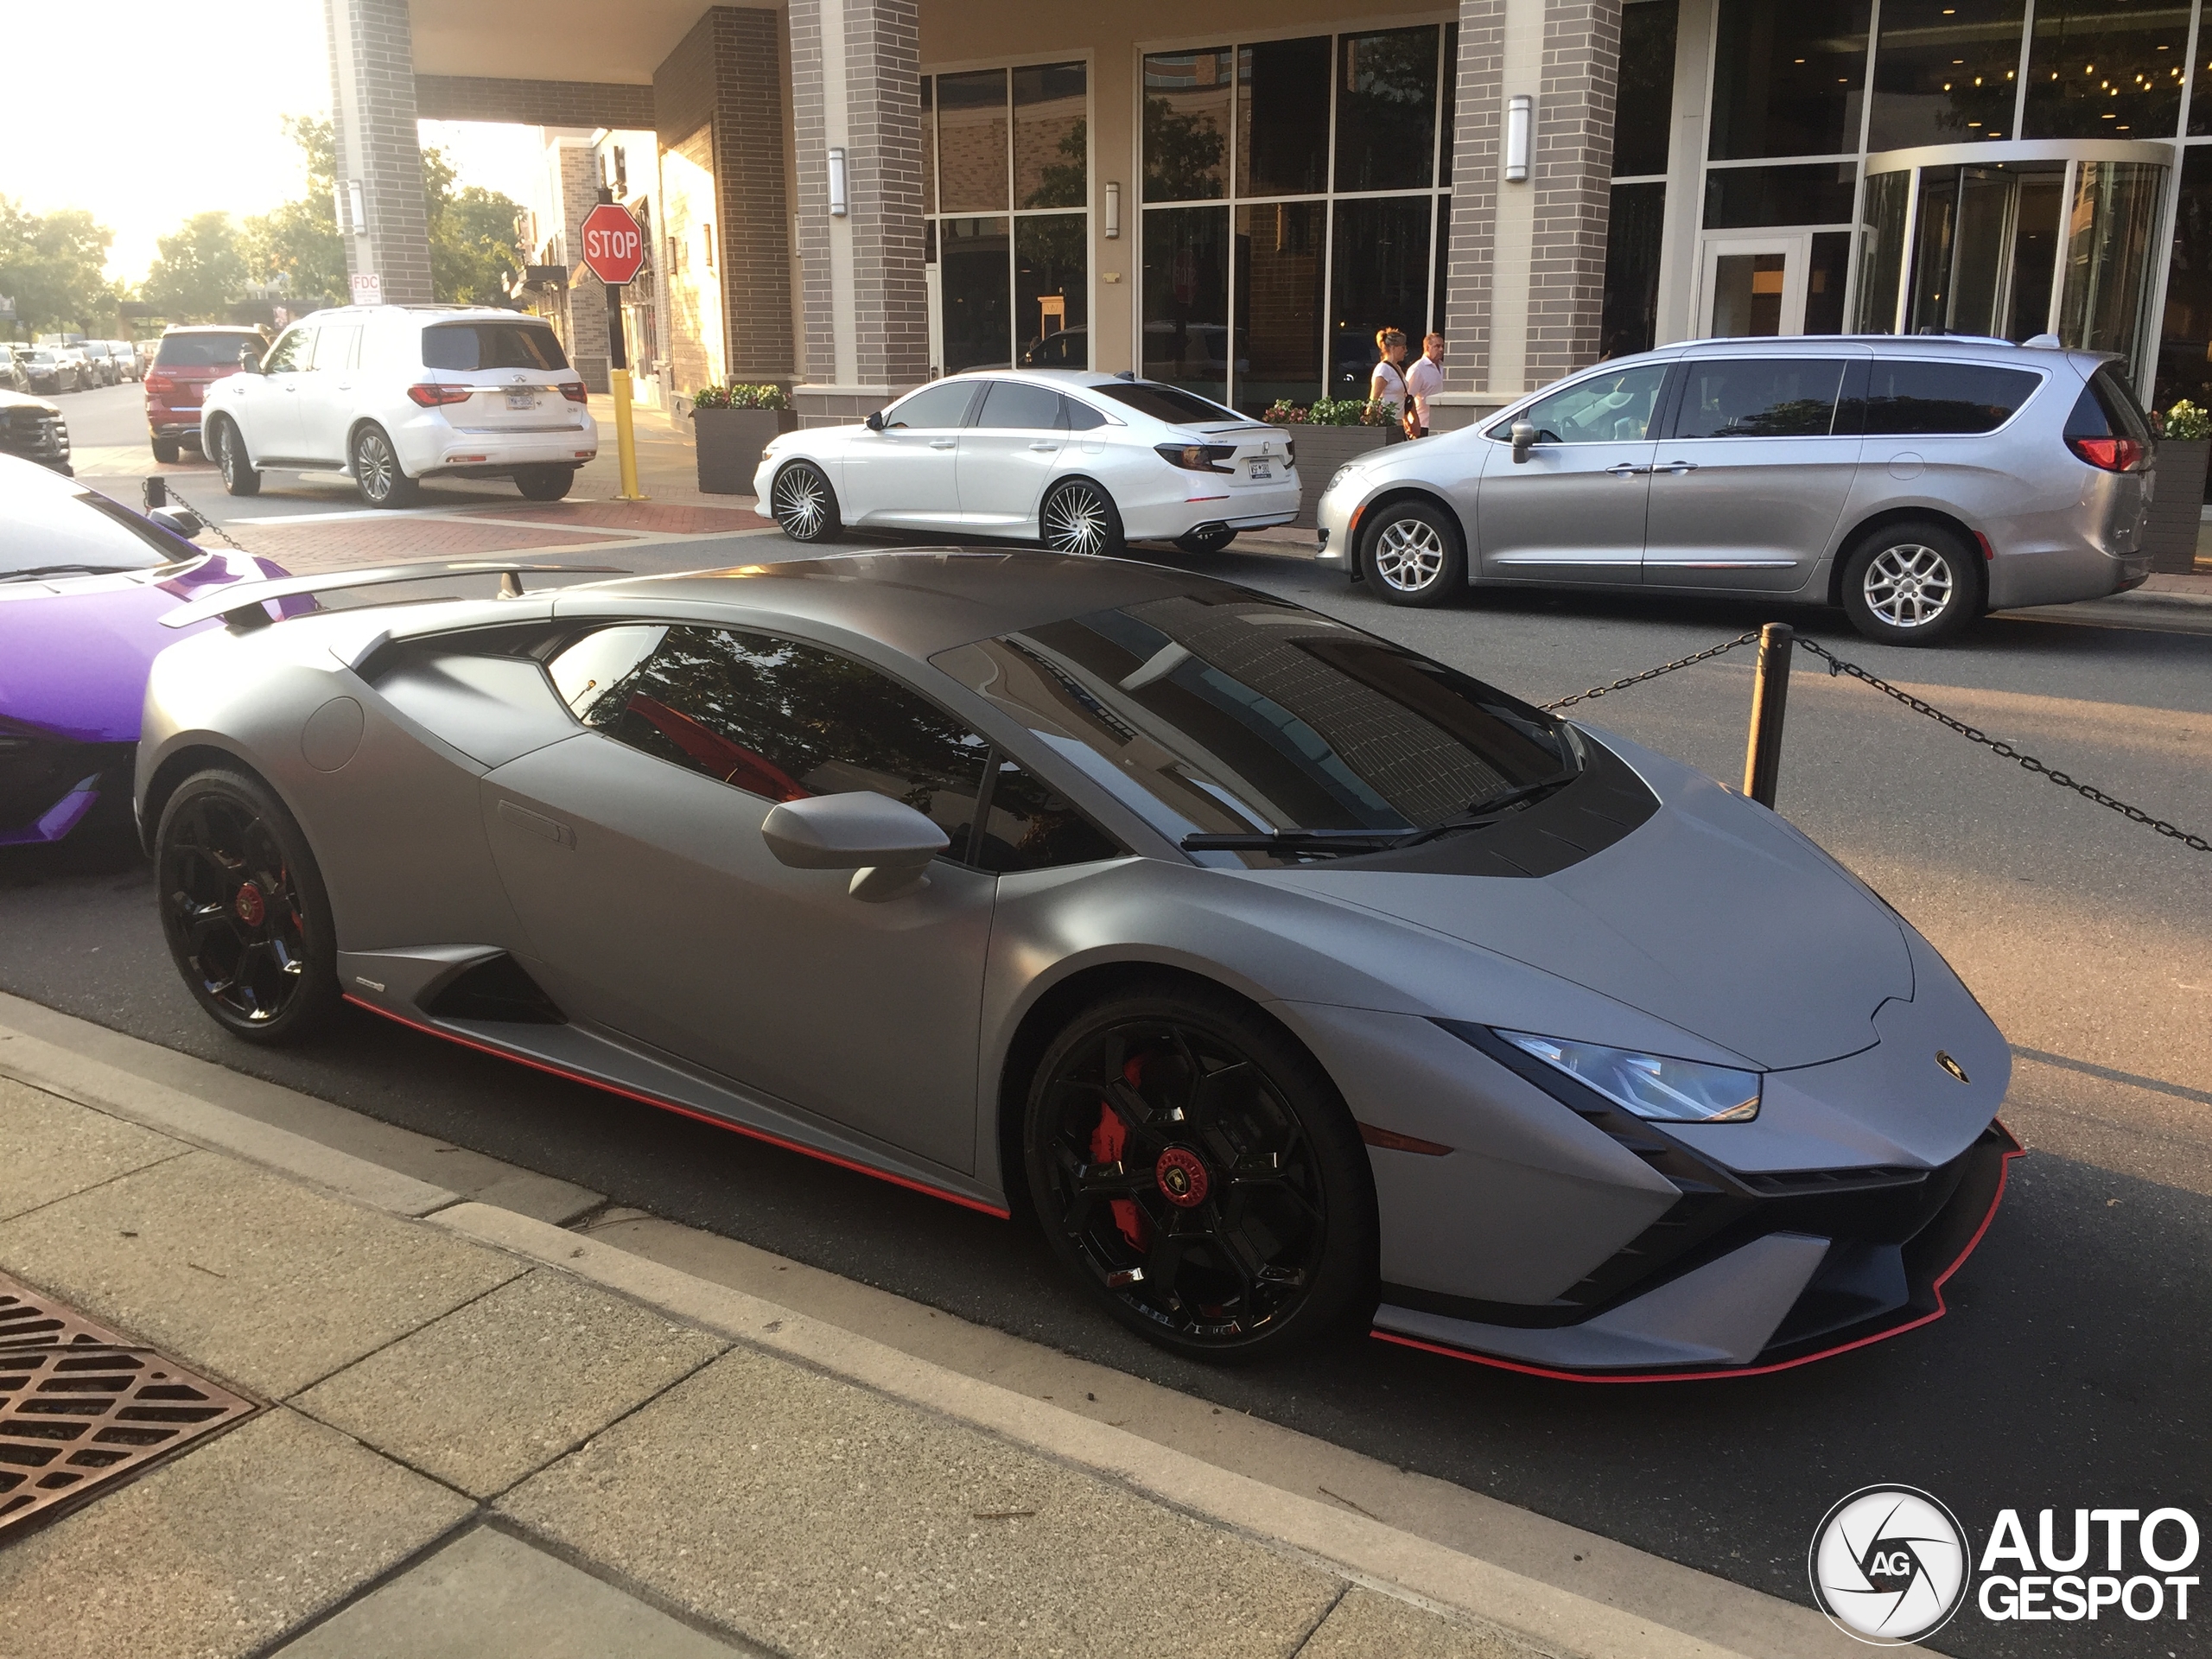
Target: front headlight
{"x": 1342, "y": 474}
{"x": 1651, "y": 1085}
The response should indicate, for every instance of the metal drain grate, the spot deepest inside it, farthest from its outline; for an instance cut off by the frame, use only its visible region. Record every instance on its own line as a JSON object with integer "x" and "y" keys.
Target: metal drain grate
{"x": 81, "y": 1410}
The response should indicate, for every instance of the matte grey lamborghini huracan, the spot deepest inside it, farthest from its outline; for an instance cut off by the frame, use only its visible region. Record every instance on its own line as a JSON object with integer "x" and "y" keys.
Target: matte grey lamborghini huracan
{"x": 1290, "y": 979}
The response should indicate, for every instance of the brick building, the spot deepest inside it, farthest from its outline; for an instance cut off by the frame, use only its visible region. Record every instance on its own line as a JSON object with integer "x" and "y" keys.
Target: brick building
{"x": 851, "y": 197}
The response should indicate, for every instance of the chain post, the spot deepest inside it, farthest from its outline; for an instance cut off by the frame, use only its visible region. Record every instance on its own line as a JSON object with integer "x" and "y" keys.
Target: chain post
{"x": 1769, "y": 701}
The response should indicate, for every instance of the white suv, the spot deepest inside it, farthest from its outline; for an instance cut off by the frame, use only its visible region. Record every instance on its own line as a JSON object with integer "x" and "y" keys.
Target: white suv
{"x": 394, "y": 394}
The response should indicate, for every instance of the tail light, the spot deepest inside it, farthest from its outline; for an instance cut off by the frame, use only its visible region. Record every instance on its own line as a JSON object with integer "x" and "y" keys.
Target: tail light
{"x": 2111, "y": 455}
{"x": 430, "y": 397}
{"x": 575, "y": 392}
{"x": 1290, "y": 452}
{"x": 1196, "y": 457}
{"x": 159, "y": 385}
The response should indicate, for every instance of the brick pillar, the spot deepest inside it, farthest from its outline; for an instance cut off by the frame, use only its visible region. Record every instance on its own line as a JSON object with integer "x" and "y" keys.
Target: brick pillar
{"x": 1526, "y": 275}
{"x": 372, "y": 101}
{"x": 855, "y": 86}
{"x": 586, "y": 306}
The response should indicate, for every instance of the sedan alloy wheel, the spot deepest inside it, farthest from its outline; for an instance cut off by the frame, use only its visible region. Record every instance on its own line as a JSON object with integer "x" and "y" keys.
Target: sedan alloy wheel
{"x": 1079, "y": 517}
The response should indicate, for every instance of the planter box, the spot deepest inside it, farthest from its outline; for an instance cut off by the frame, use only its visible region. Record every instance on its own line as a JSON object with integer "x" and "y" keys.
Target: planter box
{"x": 2177, "y": 505}
{"x": 729, "y": 444}
{"x": 1321, "y": 450}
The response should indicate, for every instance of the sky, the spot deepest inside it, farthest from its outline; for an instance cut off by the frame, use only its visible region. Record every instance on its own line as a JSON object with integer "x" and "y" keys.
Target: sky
{"x": 178, "y": 112}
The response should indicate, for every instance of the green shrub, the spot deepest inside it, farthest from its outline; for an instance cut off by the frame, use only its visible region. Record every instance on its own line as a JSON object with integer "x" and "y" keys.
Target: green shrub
{"x": 1283, "y": 413}
{"x": 740, "y": 396}
{"x": 2187, "y": 423}
{"x": 1340, "y": 411}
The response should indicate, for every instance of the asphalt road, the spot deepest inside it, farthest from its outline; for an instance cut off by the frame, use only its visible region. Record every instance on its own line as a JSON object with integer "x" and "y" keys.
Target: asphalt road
{"x": 2072, "y": 1370}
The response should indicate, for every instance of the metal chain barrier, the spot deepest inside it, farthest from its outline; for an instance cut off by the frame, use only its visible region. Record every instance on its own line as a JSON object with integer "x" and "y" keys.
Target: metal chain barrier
{"x": 1749, "y": 638}
{"x": 2000, "y": 747}
{"x": 174, "y": 496}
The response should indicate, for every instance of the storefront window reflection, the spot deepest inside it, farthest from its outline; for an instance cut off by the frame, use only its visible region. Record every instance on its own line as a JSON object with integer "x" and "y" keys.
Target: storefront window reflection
{"x": 1186, "y": 340}
{"x": 1386, "y": 110}
{"x": 1787, "y": 78}
{"x": 1186, "y": 98}
{"x": 1946, "y": 72}
{"x": 2107, "y": 68}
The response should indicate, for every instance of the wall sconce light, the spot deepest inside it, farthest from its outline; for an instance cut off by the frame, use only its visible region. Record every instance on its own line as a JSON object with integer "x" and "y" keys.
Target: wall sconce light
{"x": 837, "y": 199}
{"x": 359, "y": 203}
{"x": 1518, "y": 111}
{"x": 1113, "y": 211}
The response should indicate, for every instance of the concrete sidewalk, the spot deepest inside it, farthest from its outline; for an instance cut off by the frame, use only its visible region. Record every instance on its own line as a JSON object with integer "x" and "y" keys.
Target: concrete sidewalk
{"x": 489, "y": 1434}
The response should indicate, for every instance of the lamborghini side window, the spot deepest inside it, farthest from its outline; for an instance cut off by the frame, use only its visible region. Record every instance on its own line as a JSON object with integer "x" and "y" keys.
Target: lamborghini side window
{"x": 1030, "y": 826}
{"x": 591, "y": 673}
{"x": 783, "y": 721}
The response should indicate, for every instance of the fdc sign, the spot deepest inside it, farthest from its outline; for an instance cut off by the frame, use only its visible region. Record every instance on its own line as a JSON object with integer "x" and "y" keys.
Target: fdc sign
{"x": 612, "y": 248}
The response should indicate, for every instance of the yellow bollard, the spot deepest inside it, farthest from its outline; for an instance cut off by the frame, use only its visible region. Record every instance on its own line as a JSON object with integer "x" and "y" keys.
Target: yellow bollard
{"x": 625, "y": 436}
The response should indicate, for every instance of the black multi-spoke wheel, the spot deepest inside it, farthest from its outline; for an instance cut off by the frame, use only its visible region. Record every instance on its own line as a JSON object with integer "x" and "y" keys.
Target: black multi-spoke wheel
{"x": 1197, "y": 1170}
{"x": 244, "y": 910}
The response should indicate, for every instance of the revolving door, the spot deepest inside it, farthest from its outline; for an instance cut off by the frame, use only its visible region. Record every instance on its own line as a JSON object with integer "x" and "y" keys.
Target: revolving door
{"x": 2013, "y": 241}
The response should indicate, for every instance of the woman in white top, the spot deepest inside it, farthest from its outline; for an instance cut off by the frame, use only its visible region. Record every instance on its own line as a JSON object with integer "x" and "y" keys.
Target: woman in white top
{"x": 1387, "y": 384}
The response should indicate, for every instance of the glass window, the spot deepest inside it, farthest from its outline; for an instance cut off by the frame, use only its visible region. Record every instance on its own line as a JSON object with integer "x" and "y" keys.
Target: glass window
{"x": 50, "y": 523}
{"x": 1738, "y": 198}
{"x": 2185, "y": 341}
{"x": 973, "y": 293}
{"x": 1050, "y": 136}
{"x": 1381, "y": 280}
{"x": 1881, "y": 250}
{"x": 294, "y": 351}
{"x": 206, "y": 350}
{"x": 1080, "y": 416}
{"x": 1606, "y": 408}
{"x": 1020, "y": 406}
{"x": 1168, "y": 404}
{"x": 1186, "y": 298}
{"x": 1789, "y": 78}
{"x": 2109, "y": 225}
{"x": 1451, "y": 107}
{"x": 787, "y": 721}
{"x": 1030, "y": 826}
{"x": 465, "y": 347}
{"x": 1281, "y": 149}
{"x": 1945, "y": 72}
{"x": 2106, "y": 68}
{"x": 1441, "y": 284}
{"x": 1239, "y": 712}
{"x": 971, "y": 136}
{"x": 1827, "y": 274}
{"x": 1904, "y": 397}
{"x": 1186, "y": 98}
{"x": 929, "y": 143}
{"x": 1630, "y": 323}
{"x": 584, "y": 670}
{"x": 1386, "y": 110}
{"x": 2108, "y": 409}
{"x": 1759, "y": 398}
{"x": 1643, "y": 115}
{"x": 1747, "y": 294}
{"x": 1279, "y": 257}
{"x": 334, "y": 346}
{"x": 942, "y": 403}
{"x": 1051, "y": 289}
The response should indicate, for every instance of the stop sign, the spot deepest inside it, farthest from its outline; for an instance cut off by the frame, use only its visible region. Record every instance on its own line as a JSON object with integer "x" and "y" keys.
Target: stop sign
{"x": 612, "y": 248}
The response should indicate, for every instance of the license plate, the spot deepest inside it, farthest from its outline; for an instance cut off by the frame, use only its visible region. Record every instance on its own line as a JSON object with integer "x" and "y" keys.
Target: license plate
{"x": 522, "y": 400}
{"x": 1261, "y": 471}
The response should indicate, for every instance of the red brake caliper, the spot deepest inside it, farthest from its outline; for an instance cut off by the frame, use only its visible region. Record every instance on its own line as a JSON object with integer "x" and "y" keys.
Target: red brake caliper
{"x": 1107, "y": 1141}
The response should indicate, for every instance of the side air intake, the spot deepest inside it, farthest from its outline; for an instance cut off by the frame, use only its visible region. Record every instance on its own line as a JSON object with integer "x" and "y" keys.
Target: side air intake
{"x": 497, "y": 988}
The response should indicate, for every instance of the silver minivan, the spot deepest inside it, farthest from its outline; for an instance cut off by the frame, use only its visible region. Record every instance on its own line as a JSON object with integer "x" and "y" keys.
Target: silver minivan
{"x": 1914, "y": 481}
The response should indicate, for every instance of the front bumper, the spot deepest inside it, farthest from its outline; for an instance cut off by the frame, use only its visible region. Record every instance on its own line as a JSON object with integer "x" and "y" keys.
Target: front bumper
{"x": 1810, "y": 1264}
{"x": 48, "y": 785}
{"x": 42, "y": 438}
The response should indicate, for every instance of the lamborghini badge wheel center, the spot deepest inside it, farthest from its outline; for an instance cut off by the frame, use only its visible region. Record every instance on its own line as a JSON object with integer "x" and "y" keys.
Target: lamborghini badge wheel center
{"x": 249, "y": 906}
{"x": 1182, "y": 1176}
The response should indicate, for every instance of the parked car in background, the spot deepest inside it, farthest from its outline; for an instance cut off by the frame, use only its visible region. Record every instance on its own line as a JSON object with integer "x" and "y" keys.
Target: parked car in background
{"x": 106, "y": 372}
{"x": 1917, "y": 482}
{"x": 83, "y": 582}
{"x": 77, "y": 372}
{"x": 36, "y": 369}
{"x": 187, "y": 359}
{"x": 33, "y": 428}
{"x": 1077, "y": 461}
{"x": 130, "y": 366}
{"x": 391, "y": 395}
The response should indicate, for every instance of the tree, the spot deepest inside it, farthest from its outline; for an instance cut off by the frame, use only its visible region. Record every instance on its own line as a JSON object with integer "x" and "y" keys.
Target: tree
{"x": 51, "y": 264}
{"x": 472, "y": 237}
{"x": 300, "y": 240}
{"x": 200, "y": 269}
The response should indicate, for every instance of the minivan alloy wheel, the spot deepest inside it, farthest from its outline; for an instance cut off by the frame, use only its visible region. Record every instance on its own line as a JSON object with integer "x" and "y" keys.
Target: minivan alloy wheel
{"x": 1409, "y": 555}
{"x": 1908, "y": 586}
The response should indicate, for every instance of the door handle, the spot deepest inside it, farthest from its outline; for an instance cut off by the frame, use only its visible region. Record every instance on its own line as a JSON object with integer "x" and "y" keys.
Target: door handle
{"x": 944, "y": 443}
{"x": 1047, "y": 448}
{"x": 1677, "y": 467}
{"x": 1627, "y": 469}
{"x": 537, "y": 825}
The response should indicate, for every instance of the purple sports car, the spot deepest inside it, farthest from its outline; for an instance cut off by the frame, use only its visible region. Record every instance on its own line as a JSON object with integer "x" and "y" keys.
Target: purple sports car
{"x": 83, "y": 583}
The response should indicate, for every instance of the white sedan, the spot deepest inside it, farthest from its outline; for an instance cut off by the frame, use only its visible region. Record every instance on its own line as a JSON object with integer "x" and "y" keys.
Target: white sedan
{"x": 1080, "y": 461}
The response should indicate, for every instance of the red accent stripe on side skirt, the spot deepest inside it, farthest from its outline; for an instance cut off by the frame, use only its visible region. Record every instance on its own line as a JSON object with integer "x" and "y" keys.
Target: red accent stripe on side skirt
{"x": 1995, "y": 1198}
{"x": 685, "y": 1111}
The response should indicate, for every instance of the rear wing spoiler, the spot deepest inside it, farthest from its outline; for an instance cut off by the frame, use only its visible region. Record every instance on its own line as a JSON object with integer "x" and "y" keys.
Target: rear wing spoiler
{"x": 241, "y": 604}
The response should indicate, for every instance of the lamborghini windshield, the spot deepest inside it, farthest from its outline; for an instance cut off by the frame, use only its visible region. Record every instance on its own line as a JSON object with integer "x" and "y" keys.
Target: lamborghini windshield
{"x": 49, "y": 525}
{"x": 1243, "y": 715}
